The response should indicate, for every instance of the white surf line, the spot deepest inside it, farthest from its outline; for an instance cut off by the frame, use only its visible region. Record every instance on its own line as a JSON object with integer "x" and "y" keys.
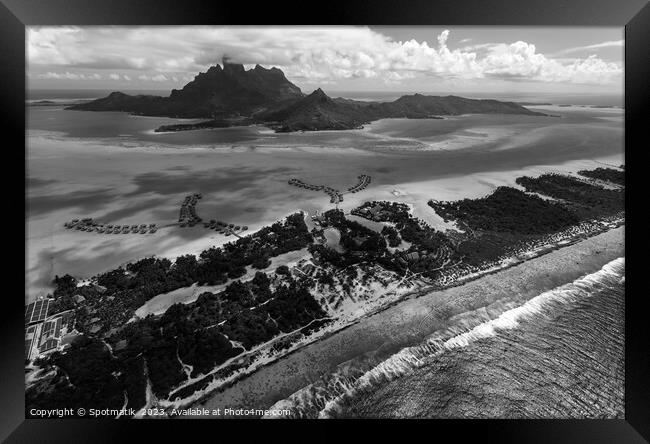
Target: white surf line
{"x": 413, "y": 357}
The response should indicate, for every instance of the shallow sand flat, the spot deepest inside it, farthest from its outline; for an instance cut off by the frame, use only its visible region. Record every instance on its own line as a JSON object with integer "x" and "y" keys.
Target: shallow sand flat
{"x": 409, "y": 322}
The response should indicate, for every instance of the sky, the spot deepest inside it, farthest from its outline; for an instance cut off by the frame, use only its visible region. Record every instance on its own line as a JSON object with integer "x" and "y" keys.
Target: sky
{"x": 336, "y": 58}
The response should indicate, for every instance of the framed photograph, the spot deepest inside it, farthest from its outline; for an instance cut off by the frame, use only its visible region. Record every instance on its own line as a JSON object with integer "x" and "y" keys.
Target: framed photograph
{"x": 388, "y": 213}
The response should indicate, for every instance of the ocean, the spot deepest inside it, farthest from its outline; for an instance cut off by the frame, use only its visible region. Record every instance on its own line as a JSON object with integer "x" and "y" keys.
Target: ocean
{"x": 558, "y": 355}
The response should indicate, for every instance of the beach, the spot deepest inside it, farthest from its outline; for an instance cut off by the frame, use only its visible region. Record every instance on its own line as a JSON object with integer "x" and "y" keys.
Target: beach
{"x": 373, "y": 339}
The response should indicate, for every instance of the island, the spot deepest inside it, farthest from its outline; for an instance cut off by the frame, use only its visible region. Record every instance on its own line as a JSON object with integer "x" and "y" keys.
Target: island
{"x": 278, "y": 289}
{"x": 233, "y": 96}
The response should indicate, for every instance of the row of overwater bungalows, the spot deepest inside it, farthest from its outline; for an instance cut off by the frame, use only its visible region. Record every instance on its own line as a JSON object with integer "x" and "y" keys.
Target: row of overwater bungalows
{"x": 89, "y": 225}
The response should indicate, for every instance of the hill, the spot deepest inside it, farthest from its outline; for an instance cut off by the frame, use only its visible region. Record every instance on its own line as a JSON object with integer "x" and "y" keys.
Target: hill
{"x": 233, "y": 96}
{"x": 218, "y": 92}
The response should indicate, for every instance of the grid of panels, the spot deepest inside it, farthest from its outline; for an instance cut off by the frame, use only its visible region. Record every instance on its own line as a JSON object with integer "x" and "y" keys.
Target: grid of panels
{"x": 57, "y": 332}
{"x": 36, "y": 311}
{"x": 49, "y": 345}
{"x": 43, "y": 313}
{"x": 29, "y": 309}
{"x": 29, "y": 340}
{"x": 48, "y": 328}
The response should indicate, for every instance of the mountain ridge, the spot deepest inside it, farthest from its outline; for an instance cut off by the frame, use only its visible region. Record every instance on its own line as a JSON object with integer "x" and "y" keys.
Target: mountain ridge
{"x": 233, "y": 96}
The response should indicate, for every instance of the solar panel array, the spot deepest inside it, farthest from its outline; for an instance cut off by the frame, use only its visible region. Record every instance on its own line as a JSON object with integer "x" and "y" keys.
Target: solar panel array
{"x": 36, "y": 311}
{"x": 49, "y": 345}
{"x": 28, "y": 347}
{"x": 51, "y": 329}
{"x": 29, "y": 340}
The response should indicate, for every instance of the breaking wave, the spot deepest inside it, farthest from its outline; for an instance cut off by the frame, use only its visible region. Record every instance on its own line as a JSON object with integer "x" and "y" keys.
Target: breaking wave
{"x": 324, "y": 398}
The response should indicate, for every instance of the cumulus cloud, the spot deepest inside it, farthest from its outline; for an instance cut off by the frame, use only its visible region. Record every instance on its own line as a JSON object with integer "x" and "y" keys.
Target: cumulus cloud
{"x": 305, "y": 54}
{"x": 520, "y": 60}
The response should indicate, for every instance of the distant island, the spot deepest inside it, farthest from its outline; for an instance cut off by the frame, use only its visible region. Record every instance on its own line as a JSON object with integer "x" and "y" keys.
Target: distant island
{"x": 233, "y": 96}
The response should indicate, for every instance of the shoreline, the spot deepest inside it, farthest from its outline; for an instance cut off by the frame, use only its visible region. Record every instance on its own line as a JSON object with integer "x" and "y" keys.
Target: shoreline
{"x": 232, "y": 384}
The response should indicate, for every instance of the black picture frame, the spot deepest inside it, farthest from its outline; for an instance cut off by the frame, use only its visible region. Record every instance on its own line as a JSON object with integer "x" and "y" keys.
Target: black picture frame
{"x": 634, "y": 15}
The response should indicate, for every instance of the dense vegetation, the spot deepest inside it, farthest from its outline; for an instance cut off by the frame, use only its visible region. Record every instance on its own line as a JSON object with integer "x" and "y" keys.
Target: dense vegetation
{"x": 607, "y": 174}
{"x": 508, "y": 210}
{"x": 88, "y": 376}
{"x": 584, "y": 199}
{"x": 361, "y": 244}
{"x": 429, "y": 248}
{"x": 199, "y": 335}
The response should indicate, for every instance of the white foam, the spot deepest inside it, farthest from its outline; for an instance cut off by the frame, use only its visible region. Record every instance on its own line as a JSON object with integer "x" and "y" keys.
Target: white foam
{"x": 468, "y": 328}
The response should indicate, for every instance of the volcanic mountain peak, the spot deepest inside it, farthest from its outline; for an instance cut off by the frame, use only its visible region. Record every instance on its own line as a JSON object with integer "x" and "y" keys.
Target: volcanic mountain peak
{"x": 231, "y": 93}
